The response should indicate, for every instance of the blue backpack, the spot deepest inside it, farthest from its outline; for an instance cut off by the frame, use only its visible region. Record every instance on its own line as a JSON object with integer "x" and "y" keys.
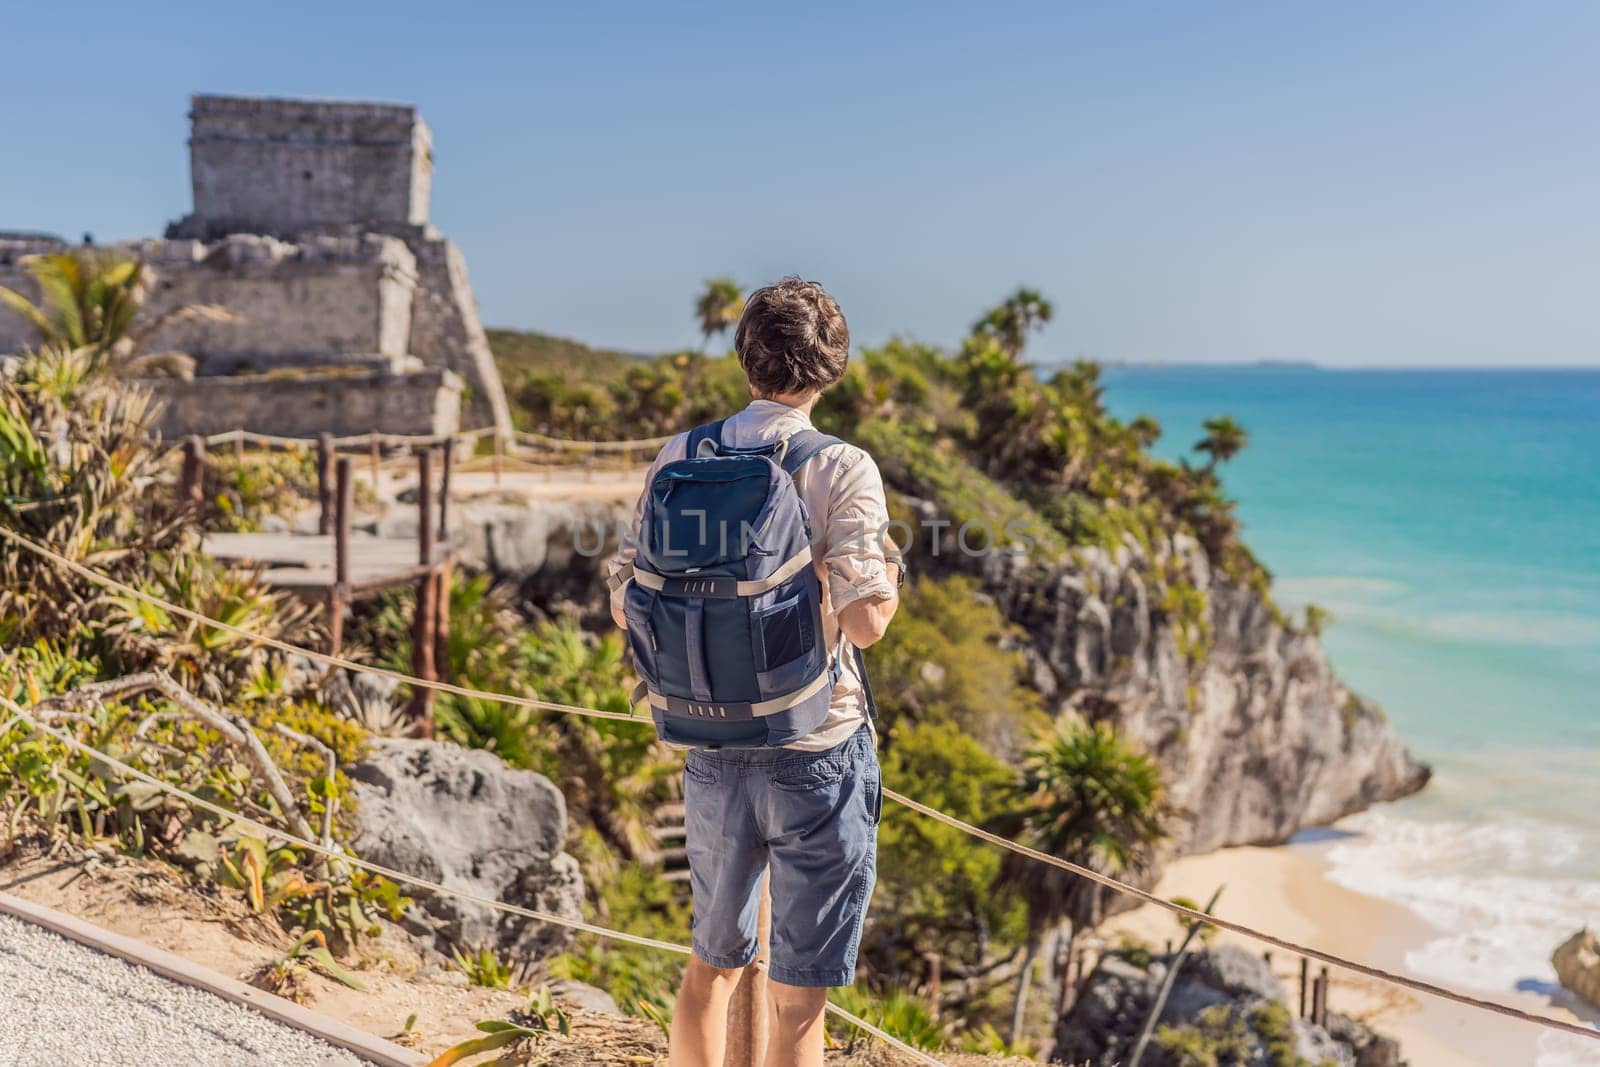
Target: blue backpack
{"x": 723, "y": 605}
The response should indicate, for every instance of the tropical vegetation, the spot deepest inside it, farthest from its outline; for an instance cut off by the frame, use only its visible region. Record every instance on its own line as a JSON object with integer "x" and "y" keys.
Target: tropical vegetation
{"x": 1012, "y": 458}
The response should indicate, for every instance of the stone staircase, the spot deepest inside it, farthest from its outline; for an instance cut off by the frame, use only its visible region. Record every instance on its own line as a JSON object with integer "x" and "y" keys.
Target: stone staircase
{"x": 670, "y": 851}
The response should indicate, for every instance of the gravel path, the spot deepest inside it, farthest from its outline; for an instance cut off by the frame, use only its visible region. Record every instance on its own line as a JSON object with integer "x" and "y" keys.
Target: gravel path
{"x": 61, "y": 1002}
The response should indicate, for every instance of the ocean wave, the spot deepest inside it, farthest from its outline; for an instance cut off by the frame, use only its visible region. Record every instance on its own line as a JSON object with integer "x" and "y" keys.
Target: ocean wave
{"x": 1332, "y": 587}
{"x": 1500, "y": 893}
{"x": 1516, "y": 628}
{"x": 1564, "y": 1050}
{"x": 1508, "y": 629}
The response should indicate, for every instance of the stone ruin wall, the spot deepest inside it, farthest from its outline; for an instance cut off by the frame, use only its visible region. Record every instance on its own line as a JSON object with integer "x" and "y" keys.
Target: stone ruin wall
{"x": 310, "y": 226}
{"x": 282, "y": 167}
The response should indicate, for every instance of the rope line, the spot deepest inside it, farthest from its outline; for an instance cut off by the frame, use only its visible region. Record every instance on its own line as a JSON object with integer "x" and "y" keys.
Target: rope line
{"x": 108, "y": 582}
{"x": 272, "y": 833}
{"x": 592, "y": 446}
{"x": 1195, "y": 915}
{"x": 352, "y": 440}
{"x": 1190, "y": 914}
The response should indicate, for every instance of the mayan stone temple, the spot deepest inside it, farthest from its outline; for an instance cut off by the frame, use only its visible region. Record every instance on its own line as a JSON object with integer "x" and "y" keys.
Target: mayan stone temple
{"x": 350, "y": 312}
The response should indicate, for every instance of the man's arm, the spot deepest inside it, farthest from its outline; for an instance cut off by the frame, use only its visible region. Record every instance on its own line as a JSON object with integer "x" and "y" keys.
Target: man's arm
{"x": 865, "y": 621}
{"x": 859, "y": 571}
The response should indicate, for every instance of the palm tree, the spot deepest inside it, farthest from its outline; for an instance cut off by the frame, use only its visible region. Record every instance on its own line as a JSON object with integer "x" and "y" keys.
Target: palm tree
{"x": 1089, "y": 797}
{"x": 89, "y": 301}
{"x": 1010, "y": 322}
{"x": 1224, "y": 439}
{"x": 1144, "y": 431}
{"x": 718, "y": 307}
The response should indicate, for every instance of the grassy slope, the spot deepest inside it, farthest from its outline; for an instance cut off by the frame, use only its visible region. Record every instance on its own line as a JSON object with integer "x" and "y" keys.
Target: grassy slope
{"x": 520, "y": 352}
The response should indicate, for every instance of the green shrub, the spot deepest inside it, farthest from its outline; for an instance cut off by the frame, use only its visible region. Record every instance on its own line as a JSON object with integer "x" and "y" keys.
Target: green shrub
{"x": 934, "y": 882}
{"x": 895, "y": 1011}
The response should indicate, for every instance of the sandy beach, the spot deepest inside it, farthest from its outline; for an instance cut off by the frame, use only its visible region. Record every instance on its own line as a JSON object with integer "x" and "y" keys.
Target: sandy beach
{"x": 1285, "y": 890}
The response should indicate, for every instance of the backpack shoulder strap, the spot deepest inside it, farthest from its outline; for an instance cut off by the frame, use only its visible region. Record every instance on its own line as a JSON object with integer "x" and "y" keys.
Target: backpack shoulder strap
{"x": 710, "y": 431}
{"x": 802, "y": 445}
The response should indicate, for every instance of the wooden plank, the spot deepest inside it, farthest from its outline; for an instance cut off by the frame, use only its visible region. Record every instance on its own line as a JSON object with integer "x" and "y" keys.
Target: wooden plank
{"x": 371, "y": 558}
{"x": 334, "y": 1031}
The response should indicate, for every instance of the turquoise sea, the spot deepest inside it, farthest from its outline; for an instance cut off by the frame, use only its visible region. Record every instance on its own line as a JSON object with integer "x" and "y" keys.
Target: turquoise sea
{"x": 1450, "y": 520}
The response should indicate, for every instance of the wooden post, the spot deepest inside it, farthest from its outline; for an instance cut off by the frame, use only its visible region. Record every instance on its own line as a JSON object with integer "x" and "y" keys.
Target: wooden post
{"x": 1068, "y": 985}
{"x": 192, "y": 488}
{"x": 444, "y": 492}
{"x": 935, "y": 980}
{"x": 748, "y": 1030}
{"x": 238, "y": 446}
{"x": 325, "y": 483}
{"x": 374, "y": 455}
{"x": 423, "y": 636}
{"x": 339, "y": 596}
{"x": 1305, "y": 971}
{"x": 441, "y": 595}
{"x": 494, "y": 462}
{"x": 1319, "y": 999}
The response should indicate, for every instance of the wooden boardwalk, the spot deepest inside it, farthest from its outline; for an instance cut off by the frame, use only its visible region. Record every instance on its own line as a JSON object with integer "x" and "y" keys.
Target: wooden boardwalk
{"x": 338, "y": 565}
{"x": 309, "y": 561}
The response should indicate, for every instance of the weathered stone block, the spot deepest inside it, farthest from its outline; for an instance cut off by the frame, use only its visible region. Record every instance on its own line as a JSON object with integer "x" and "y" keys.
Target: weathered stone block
{"x": 284, "y": 166}
{"x": 420, "y": 402}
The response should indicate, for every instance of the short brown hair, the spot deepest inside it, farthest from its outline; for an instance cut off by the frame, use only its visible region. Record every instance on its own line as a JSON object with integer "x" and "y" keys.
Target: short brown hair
{"x": 792, "y": 338}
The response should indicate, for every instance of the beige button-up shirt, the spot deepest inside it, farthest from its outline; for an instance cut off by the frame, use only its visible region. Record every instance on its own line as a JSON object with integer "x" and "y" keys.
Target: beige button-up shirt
{"x": 843, "y": 493}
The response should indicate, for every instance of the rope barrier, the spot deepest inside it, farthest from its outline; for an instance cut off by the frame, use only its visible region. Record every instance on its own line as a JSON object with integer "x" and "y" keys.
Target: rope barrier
{"x": 592, "y": 446}
{"x": 1195, "y": 915}
{"x": 1191, "y": 914}
{"x": 107, "y": 582}
{"x": 340, "y": 855}
{"x": 462, "y": 436}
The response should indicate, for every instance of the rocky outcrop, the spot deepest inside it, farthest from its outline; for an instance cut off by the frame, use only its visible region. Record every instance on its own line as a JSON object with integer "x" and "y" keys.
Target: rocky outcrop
{"x": 462, "y": 818}
{"x": 1577, "y": 964}
{"x": 1257, "y": 736}
{"x": 1223, "y": 998}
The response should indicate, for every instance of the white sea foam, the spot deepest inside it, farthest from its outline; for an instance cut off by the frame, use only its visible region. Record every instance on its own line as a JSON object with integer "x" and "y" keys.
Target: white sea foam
{"x": 1564, "y": 1050}
{"x": 1502, "y": 894}
{"x": 1333, "y": 586}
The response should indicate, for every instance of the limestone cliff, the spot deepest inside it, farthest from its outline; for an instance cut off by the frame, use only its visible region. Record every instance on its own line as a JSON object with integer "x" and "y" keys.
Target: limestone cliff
{"x": 1256, "y": 734}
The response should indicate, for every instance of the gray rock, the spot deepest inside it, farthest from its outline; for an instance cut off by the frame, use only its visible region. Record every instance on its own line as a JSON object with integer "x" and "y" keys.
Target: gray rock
{"x": 1577, "y": 964}
{"x": 1231, "y": 969}
{"x": 1223, "y": 997}
{"x": 582, "y": 995}
{"x": 1371, "y": 1048}
{"x": 1316, "y": 1046}
{"x": 462, "y": 818}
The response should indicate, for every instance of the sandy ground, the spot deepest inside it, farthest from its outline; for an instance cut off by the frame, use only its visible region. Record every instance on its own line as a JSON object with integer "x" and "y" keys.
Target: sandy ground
{"x": 1286, "y": 890}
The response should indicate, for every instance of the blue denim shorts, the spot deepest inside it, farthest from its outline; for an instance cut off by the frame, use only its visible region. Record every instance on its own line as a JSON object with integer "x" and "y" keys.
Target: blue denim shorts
{"x": 812, "y": 817}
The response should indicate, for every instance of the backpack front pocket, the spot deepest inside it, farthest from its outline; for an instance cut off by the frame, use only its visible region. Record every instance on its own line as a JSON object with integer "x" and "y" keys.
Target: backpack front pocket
{"x": 787, "y": 646}
{"x": 785, "y": 631}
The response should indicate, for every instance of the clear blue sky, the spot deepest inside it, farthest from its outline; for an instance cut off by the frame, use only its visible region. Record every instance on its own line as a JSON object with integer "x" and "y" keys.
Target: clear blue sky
{"x": 1349, "y": 183}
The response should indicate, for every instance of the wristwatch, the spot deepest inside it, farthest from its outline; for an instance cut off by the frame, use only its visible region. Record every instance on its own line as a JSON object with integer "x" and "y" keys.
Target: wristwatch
{"x": 898, "y": 558}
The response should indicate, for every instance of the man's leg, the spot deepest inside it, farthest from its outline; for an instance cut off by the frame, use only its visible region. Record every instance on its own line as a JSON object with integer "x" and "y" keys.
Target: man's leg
{"x": 797, "y": 1025}
{"x": 726, "y": 858}
{"x": 700, "y": 1020}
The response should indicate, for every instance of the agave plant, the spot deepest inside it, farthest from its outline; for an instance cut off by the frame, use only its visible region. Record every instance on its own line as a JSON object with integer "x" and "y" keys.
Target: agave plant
{"x": 76, "y": 473}
{"x": 205, "y": 659}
